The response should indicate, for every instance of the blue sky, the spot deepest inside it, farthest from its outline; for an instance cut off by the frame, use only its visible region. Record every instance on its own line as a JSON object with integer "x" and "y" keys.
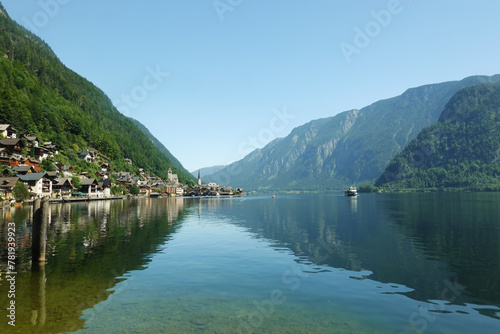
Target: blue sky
{"x": 213, "y": 80}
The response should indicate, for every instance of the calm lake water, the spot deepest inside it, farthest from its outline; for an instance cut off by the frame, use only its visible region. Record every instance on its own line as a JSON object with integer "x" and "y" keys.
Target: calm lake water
{"x": 403, "y": 263}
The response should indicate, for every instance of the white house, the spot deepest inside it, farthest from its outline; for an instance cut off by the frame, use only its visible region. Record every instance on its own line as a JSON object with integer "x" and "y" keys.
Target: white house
{"x": 38, "y": 183}
{"x": 7, "y": 131}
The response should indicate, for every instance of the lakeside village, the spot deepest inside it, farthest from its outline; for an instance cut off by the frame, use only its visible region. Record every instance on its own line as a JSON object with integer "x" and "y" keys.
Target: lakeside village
{"x": 63, "y": 183}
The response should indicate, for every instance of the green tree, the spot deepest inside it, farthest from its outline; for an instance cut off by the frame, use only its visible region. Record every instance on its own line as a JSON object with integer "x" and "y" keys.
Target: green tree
{"x": 20, "y": 192}
{"x": 191, "y": 183}
{"x": 367, "y": 188}
{"x": 134, "y": 190}
{"x": 48, "y": 166}
{"x": 77, "y": 184}
{"x": 118, "y": 190}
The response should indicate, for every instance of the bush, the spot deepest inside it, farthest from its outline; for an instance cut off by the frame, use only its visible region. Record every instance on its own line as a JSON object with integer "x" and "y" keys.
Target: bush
{"x": 135, "y": 190}
{"x": 118, "y": 190}
{"x": 48, "y": 166}
{"x": 20, "y": 192}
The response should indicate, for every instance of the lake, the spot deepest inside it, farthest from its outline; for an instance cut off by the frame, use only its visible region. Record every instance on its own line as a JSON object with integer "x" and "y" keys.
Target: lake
{"x": 315, "y": 263}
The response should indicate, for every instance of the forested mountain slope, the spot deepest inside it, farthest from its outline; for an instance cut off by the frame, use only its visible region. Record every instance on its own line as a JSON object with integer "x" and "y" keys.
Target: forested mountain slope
{"x": 462, "y": 150}
{"x": 40, "y": 95}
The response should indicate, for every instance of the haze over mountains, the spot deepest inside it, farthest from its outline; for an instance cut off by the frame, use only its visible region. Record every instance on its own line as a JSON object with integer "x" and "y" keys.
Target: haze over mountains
{"x": 208, "y": 170}
{"x": 352, "y": 147}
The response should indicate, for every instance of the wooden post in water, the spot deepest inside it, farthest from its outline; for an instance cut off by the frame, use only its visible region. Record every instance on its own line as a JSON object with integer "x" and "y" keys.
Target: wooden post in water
{"x": 41, "y": 218}
{"x": 38, "y": 298}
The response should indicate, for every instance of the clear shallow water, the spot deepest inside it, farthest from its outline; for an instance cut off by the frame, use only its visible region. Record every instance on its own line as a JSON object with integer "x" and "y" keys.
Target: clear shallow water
{"x": 296, "y": 264}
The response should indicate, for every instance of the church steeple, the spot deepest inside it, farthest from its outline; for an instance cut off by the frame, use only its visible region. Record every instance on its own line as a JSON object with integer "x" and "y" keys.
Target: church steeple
{"x": 199, "y": 178}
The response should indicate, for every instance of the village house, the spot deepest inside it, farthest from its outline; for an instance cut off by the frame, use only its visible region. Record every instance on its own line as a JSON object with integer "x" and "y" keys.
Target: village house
{"x": 84, "y": 175}
{"x": 138, "y": 181}
{"x": 145, "y": 189}
{"x": 129, "y": 161}
{"x": 104, "y": 188}
{"x": 53, "y": 175}
{"x": 32, "y": 140}
{"x": 86, "y": 155}
{"x": 34, "y": 163}
{"x": 172, "y": 190}
{"x": 89, "y": 187}
{"x": 17, "y": 161}
{"x": 101, "y": 174}
{"x": 43, "y": 153}
{"x": 7, "y": 185}
{"x": 158, "y": 187}
{"x": 51, "y": 147}
{"x": 13, "y": 145}
{"x": 62, "y": 186}
{"x": 7, "y": 131}
{"x": 180, "y": 191}
{"x": 38, "y": 183}
{"x": 66, "y": 170}
{"x": 21, "y": 169}
{"x": 4, "y": 156}
{"x": 124, "y": 181}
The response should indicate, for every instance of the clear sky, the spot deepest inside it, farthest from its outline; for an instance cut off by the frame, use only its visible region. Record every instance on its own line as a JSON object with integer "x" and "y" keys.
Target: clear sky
{"x": 213, "y": 80}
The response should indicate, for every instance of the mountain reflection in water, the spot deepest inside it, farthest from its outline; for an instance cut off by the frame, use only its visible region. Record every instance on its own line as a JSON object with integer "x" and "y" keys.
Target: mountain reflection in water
{"x": 202, "y": 264}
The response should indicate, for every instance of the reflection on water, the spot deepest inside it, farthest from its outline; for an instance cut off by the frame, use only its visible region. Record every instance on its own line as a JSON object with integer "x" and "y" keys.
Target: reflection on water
{"x": 419, "y": 240}
{"x": 376, "y": 263}
{"x": 90, "y": 245}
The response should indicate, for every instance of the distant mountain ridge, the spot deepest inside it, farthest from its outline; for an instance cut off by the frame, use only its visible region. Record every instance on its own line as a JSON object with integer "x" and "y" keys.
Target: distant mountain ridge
{"x": 350, "y": 148}
{"x": 462, "y": 150}
{"x": 207, "y": 170}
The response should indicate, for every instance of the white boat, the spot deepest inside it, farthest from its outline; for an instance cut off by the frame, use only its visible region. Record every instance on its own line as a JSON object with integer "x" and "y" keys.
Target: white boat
{"x": 351, "y": 191}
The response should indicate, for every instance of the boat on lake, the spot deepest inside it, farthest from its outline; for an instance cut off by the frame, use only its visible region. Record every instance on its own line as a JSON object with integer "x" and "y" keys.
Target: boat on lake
{"x": 351, "y": 191}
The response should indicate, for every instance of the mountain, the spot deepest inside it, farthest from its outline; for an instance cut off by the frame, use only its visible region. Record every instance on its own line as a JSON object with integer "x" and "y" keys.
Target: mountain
{"x": 350, "y": 148}
{"x": 462, "y": 150}
{"x": 160, "y": 147}
{"x": 39, "y": 94}
{"x": 207, "y": 170}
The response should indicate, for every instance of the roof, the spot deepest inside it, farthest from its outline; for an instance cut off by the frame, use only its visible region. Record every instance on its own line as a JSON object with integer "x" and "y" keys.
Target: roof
{"x": 22, "y": 168}
{"x": 4, "y": 127}
{"x": 33, "y": 161}
{"x": 84, "y": 153}
{"x": 8, "y": 182}
{"x": 60, "y": 181}
{"x": 32, "y": 176}
{"x": 43, "y": 149}
{"x": 10, "y": 141}
{"x": 87, "y": 182}
{"x": 31, "y": 138}
{"x": 104, "y": 183}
